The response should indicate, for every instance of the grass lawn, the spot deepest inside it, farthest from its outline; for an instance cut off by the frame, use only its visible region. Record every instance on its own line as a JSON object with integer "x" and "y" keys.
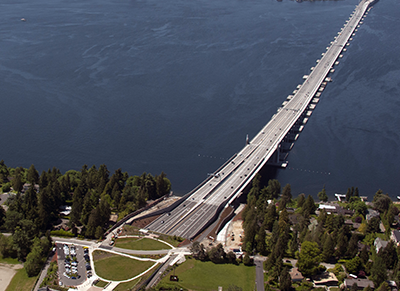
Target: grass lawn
{"x": 199, "y": 276}
{"x": 118, "y": 268}
{"x": 127, "y": 285}
{"x": 21, "y": 281}
{"x": 101, "y": 284}
{"x": 140, "y": 244}
{"x": 8, "y": 261}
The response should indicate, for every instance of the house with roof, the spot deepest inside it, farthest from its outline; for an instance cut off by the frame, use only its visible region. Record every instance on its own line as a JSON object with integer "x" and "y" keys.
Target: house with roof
{"x": 295, "y": 275}
{"x": 325, "y": 279}
{"x": 379, "y": 244}
{"x": 395, "y": 236}
{"x": 361, "y": 283}
{"x": 371, "y": 213}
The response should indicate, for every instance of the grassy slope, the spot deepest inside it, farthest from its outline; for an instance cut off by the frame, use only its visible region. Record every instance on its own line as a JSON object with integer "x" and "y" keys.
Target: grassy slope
{"x": 21, "y": 281}
{"x": 199, "y": 276}
{"x": 126, "y": 286}
{"x": 141, "y": 244}
{"x": 120, "y": 268}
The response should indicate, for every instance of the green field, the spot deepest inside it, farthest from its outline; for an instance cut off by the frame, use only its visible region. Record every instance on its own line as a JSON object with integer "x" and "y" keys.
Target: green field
{"x": 118, "y": 268}
{"x": 206, "y": 276}
{"x": 127, "y": 285}
{"x": 21, "y": 281}
{"x": 144, "y": 244}
{"x": 101, "y": 284}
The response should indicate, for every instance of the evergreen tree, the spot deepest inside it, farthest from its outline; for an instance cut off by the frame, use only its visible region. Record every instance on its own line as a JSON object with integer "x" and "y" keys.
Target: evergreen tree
{"x": 352, "y": 249}
{"x": 309, "y": 206}
{"x": 364, "y": 256}
{"x": 286, "y": 196}
{"x": 328, "y": 249}
{"x": 322, "y": 195}
{"x": 32, "y": 175}
{"x": 294, "y": 244}
{"x": 342, "y": 241}
{"x": 378, "y": 271}
{"x": 270, "y": 216}
{"x": 300, "y": 200}
{"x": 260, "y": 240}
{"x": 285, "y": 282}
{"x": 17, "y": 183}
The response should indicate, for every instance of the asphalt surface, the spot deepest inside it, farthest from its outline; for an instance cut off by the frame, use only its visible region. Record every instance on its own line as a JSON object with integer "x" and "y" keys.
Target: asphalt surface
{"x": 61, "y": 266}
{"x": 259, "y": 273}
{"x": 188, "y": 219}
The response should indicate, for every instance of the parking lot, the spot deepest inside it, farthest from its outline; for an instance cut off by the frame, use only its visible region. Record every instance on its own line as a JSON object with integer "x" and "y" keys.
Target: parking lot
{"x": 71, "y": 272}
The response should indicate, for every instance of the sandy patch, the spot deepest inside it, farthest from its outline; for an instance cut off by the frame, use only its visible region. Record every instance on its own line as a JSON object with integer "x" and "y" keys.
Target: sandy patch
{"x": 7, "y": 272}
{"x": 234, "y": 235}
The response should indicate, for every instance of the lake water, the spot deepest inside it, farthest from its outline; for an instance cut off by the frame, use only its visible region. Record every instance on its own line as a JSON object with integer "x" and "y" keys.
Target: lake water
{"x": 175, "y": 86}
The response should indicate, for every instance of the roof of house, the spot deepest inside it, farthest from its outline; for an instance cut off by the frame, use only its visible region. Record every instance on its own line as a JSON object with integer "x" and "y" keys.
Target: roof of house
{"x": 326, "y": 278}
{"x": 363, "y": 283}
{"x": 396, "y": 235}
{"x": 295, "y": 275}
{"x": 380, "y": 243}
{"x": 371, "y": 213}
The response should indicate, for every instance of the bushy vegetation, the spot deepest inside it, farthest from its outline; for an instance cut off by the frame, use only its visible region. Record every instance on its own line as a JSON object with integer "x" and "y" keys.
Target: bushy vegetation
{"x": 34, "y": 206}
{"x": 313, "y": 238}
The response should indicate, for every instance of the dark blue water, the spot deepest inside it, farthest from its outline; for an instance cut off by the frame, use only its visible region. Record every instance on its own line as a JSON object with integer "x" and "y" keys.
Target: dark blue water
{"x": 175, "y": 86}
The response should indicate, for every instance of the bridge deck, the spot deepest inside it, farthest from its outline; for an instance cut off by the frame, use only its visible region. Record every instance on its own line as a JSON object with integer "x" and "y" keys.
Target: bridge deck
{"x": 193, "y": 215}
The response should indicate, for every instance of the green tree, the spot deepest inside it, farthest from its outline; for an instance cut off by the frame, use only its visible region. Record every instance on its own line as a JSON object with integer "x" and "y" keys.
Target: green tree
{"x": 285, "y": 282}
{"x": 389, "y": 255}
{"x": 328, "y": 249}
{"x": 364, "y": 256}
{"x": 17, "y": 183}
{"x": 381, "y": 201}
{"x": 32, "y": 175}
{"x": 247, "y": 260}
{"x": 217, "y": 254}
{"x": 308, "y": 207}
{"x": 322, "y": 196}
{"x": 373, "y": 225}
{"x": 260, "y": 240}
{"x": 308, "y": 258}
{"x": 286, "y": 196}
{"x": 34, "y": 260}
{"x": 300, "y": 200}
{"x": 352, "y": 248}
{"x": 99, "y": 232}
{"x": 198, "y": 251}
{"x": 354, "y": 265}
{"x": 378, "y": 271}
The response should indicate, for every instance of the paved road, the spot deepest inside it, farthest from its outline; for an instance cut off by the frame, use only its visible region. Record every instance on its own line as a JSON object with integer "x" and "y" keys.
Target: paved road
{"x": 190, "y": 218}
{"x": 259, "y": 262}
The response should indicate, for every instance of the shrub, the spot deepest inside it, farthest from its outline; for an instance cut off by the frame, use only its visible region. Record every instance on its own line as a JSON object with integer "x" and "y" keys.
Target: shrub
{"x": 61, "y": 232}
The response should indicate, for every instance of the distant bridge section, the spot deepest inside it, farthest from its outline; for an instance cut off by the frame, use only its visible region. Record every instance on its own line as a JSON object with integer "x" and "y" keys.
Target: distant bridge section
{"x": 199, "y": 209}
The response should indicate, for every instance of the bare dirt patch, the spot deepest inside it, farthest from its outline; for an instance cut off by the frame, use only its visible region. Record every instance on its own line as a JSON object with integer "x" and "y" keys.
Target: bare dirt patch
{"x": 7, "y": 272}
{"x": 234, "y": 234}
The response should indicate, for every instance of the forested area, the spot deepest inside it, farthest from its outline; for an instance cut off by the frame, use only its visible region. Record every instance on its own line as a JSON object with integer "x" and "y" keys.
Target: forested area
{"x": 34, "y": 205}
{"x": 312, "y": 237}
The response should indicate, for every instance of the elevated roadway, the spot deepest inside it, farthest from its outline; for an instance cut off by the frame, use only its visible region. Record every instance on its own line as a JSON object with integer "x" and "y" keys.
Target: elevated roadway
{"x": 200, "y": 208}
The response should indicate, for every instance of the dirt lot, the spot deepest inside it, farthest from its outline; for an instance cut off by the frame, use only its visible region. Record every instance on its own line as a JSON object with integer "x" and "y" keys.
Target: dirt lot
{"x": 234, "y": 235}
{"x": 7, "y": 272}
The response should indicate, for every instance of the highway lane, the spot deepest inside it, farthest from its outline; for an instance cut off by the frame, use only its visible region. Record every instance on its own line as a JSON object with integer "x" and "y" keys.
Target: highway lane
{"x": 190, "y": 217}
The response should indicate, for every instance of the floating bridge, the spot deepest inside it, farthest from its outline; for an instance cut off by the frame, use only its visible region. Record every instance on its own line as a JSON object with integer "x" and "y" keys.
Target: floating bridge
{"x": 197, "y": 210}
